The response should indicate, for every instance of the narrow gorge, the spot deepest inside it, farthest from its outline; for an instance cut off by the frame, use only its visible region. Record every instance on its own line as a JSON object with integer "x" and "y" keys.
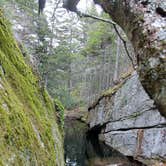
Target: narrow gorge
{"x": 83, "y": 87}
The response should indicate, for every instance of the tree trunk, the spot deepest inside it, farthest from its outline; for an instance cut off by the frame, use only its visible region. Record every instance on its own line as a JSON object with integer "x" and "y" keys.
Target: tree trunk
{"x": 115, "y": 79}
{"x": 144, "y": 23}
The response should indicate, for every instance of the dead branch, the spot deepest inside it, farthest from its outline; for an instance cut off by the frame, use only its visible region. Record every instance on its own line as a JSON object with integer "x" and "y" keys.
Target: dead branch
{"x": 116, "y": 30}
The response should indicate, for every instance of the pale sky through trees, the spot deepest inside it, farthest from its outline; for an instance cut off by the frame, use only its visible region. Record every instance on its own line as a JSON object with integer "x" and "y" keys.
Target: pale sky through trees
{"x": 83, "y": 5}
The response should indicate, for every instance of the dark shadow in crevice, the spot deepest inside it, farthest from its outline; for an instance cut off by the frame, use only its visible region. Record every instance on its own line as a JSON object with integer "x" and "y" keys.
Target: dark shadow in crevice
{"x": 145, "y": 3}
{"x": 161, "y": 12}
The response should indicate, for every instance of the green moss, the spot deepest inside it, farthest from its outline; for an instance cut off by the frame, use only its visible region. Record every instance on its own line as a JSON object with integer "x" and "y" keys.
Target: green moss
{"x": 29, "y": 132}
{"x": 123, "y": 79}
{"x": 60, "y": 109}
{"x": 110, "y": 92}
{"x": 113, "y": 90}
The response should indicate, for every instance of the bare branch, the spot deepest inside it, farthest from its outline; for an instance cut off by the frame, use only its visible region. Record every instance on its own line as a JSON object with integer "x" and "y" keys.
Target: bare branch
{"x": 125, "y": 45}
{"x": 116, "y": 30}
{"x": 97, "y": 18}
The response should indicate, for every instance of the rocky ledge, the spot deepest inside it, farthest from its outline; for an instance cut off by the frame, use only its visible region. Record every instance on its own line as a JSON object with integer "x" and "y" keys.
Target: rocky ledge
{"x": 129, "y": 122}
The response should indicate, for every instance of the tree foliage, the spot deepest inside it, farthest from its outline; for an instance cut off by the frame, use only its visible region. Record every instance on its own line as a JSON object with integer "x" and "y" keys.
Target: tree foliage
{"x": 74, "y": 58}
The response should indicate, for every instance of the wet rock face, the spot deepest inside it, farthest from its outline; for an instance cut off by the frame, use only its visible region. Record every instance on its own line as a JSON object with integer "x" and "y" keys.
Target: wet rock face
{"x": 144, "y": 23}
{"x": 131, "y": 123}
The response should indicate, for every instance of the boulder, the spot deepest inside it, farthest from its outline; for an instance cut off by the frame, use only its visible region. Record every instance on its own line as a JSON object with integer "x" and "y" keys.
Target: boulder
{"x": 131, "y": 123}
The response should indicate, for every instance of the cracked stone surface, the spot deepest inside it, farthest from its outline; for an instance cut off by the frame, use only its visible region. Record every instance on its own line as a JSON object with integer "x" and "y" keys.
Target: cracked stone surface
{"x": 144, "y": 22}
{"x": 131, "y": 123}
{"x": 145, "y": 145}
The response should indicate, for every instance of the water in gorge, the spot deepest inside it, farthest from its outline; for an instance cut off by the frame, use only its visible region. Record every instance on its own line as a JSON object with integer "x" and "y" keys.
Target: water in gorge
{"x": 82, "y": 149}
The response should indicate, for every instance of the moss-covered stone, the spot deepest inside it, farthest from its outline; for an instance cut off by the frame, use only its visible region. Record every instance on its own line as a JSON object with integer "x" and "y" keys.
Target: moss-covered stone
{"x": 111, "y": 91}
{"x": 60, "y": 110}
{"x": 29, "y": 132}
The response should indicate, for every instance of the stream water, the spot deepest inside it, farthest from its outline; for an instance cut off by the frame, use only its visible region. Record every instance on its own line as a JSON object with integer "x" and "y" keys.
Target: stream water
{"x": 85, "y": 150}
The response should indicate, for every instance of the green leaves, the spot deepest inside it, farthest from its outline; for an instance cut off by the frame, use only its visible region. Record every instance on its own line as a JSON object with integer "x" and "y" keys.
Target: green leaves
{"x": 99, "y": 34}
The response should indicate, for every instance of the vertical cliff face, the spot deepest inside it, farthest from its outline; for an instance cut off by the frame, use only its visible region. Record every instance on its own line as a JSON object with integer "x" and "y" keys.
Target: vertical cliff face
{"x": 130, "y": 122}
{"x": 144, "y": 23}
{"x": 29, "y": 132}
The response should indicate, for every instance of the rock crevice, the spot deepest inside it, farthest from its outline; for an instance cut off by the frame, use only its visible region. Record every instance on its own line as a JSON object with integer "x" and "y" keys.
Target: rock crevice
{"x": 130, "y": 123}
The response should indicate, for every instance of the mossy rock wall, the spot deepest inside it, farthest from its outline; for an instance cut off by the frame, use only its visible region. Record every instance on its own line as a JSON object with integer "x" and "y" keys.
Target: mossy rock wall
{"x": 29, "y": 132}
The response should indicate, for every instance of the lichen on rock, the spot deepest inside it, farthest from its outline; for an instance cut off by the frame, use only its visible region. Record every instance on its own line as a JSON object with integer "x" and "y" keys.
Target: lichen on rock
{"x": 28, "y": 127}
